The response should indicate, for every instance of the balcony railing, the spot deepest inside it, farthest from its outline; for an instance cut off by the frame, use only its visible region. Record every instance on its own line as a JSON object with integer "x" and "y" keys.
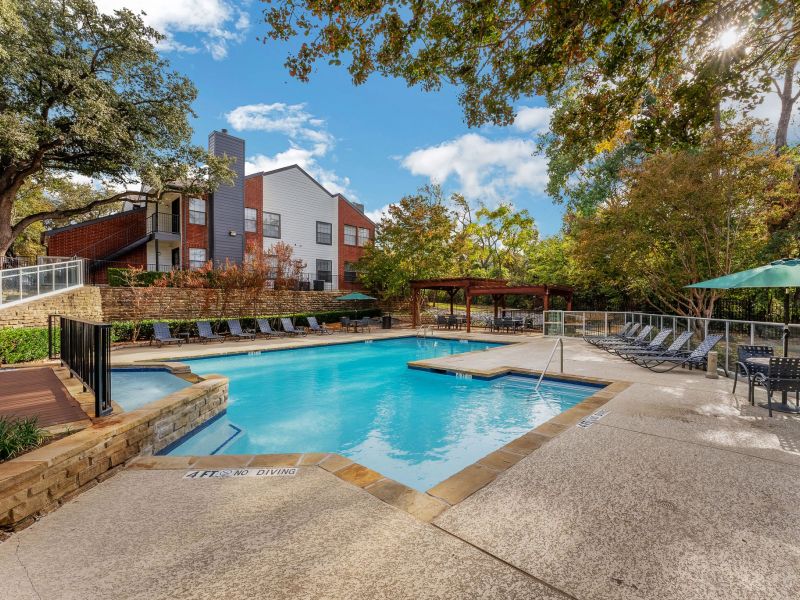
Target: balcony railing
{"x": 578, "y": 323}
{"x": 25, "y": 283}
{"x": 163, "y": 223}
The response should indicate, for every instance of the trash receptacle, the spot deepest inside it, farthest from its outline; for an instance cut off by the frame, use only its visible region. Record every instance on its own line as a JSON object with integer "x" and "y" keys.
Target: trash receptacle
{"x": 387, "y": 321}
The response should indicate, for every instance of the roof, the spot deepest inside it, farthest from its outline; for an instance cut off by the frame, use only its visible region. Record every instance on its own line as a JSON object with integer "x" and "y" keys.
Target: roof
{"x": 317, "y": 183}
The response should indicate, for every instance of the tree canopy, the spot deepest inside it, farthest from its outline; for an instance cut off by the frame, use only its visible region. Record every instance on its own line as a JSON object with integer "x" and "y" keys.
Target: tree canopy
{"x": 87, "y": 94}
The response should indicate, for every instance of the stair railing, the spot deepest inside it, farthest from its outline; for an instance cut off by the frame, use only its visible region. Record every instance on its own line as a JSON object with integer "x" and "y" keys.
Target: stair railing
{"x": 559, "y": 344}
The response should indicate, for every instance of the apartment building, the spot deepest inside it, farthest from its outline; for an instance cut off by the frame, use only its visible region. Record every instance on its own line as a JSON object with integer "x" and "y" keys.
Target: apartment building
{"x": 326, "y": 231}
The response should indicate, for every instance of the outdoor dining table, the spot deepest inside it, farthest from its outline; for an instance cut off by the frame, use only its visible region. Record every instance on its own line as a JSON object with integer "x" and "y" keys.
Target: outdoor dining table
{"x": 762, "y": 362}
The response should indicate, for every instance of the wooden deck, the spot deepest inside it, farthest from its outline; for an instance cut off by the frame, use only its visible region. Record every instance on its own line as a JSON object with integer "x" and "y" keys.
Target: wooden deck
{"x": 39, "y": 393}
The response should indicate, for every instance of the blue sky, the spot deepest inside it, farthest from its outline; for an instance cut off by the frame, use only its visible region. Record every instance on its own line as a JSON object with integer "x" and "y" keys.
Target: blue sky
{"x": 375, "y": 142}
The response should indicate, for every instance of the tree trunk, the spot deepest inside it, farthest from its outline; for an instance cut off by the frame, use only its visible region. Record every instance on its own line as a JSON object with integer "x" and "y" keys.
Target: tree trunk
{"x": 788, "y": 99}
{"x": 6, "y": 230}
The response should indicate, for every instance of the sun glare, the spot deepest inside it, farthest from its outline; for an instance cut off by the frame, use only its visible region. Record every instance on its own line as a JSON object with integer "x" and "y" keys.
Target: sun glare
{"x": 728, "y": 38}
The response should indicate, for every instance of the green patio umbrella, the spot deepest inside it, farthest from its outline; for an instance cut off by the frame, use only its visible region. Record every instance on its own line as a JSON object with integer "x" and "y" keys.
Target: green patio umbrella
{"x": 784, "y": 273}
{"x": 354, "y": 296}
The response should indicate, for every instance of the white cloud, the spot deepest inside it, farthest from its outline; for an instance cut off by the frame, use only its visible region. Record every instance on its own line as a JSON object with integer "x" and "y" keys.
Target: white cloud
{"x": 485, "y": 169}
{"x": 533, "y": 118}
{"x": 376, "y": 215}
{"x": 216, "y": 23}
{"x": 308, "y": 136}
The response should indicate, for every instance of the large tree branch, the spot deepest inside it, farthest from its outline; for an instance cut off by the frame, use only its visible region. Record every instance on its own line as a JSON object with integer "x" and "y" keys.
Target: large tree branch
{"x": 20, "y": 225}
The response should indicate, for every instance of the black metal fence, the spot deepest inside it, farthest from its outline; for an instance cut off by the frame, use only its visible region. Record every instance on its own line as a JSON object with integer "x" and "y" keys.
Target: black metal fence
{"x": 85, "y": 351}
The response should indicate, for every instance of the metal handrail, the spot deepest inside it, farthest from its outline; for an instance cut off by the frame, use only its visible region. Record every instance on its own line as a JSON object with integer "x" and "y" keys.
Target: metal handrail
{"x": 559, "y": 343}
{"x": 22, "y": 284}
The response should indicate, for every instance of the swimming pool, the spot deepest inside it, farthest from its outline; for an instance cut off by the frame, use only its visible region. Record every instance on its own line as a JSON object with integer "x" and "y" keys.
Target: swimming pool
{"x": 133, "y": 388}
{"x": 362, "y": 401}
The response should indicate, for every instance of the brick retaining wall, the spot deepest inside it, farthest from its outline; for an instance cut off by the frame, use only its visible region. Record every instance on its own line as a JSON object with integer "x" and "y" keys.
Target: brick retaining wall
{"x": 40, "y": 481}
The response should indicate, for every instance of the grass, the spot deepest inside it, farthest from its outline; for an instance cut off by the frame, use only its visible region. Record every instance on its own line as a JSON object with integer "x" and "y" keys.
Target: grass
{"x": 17, "y": 436}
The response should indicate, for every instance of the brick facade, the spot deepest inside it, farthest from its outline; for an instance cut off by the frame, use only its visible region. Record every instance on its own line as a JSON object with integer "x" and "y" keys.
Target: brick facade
{"x": 254, "y": 198}
{"x": 193, "y": 235}
{"x": 97, "y": 238}
{"x": 350, "y": 215}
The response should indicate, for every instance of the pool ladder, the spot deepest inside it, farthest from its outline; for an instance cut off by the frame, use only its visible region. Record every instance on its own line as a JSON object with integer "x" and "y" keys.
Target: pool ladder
{"x": 559, "y": 344}
{"x": 424, "y": 331}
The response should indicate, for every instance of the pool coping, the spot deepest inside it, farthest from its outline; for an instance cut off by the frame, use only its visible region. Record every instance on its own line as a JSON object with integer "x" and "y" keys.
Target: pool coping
{"x": 428, "y": 505}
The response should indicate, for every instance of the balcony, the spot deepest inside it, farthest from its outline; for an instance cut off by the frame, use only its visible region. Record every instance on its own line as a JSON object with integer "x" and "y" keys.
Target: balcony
{"x": 164, "y": 226}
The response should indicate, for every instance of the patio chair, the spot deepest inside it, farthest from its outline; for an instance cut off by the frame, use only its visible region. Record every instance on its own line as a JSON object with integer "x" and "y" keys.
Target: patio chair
{"x": 441, "y": 321}
{"x": 266, "y": 329}
{"x": 345, "y": 323}
{"x": 655, "y": 345}
{"x": 161, "y": 335}
{"x": 314, "y": 326}
{"x": 695, "y": 359}
{"x": 639, "y": 340}
{"x": 235, "y": 327}
{"x": 783, "y": 375}
{"x": 743, "y": 353}
{"x": 205, "y": 333}
{"x": 289, "y": 327}
{"x": 365, "y": 323}
{"x": 674, "y": 348}
{"x": 452, "y": 322}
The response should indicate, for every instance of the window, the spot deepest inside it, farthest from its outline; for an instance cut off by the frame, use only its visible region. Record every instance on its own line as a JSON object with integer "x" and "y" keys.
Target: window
{"x": 272, "y": 225}
{"x": 197, "y": 211}
{"x": 324, "y": 233}
{"x": 250, "y": 220}
{"x": 363, "y": 236}
{"x": 197, "y": 257}
{"x": 350, "y": 273}
{"x": 272, "y": 265}
{"x": 325, "y": 270}
{"x": 349, "y": 235}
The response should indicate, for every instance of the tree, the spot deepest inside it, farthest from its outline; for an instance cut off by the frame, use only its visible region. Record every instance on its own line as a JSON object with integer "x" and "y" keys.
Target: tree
{"x": 414, "y": 241}
{"x": 283, "y": 269}
{"x": 687, "y": 215}
{"x": 87, "y": 93}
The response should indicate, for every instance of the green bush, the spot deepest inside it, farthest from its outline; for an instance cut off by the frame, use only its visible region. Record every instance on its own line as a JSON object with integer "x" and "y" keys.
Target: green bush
{"x": 122, "y": 331}
{"x": 18, "y": 436}
{"x": 116, "y": 277}
{"x": 25, "y": 344}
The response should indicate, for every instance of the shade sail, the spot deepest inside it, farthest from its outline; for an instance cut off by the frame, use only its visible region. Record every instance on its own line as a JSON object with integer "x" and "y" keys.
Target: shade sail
{"x": 355, "y": 296}
{"x": 784, "y": 273}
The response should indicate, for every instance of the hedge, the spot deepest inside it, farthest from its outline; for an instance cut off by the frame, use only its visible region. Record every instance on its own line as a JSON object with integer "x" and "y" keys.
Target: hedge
{"x": 116, "y": 277}
{"x": 25, "y": 344}
{"x": 122, "y": 331}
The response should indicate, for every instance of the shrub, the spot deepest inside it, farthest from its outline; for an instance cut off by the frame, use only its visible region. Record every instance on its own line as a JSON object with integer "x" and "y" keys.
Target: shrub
{"x": 117, "y": 277}
{"x": 25, "y": 344}
{"x": 18, "y": 436}
{"x": 121, "y": 331}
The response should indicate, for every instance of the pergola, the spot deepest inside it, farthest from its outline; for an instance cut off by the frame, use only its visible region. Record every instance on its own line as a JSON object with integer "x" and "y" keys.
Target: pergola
{"x": 498, "y": 289}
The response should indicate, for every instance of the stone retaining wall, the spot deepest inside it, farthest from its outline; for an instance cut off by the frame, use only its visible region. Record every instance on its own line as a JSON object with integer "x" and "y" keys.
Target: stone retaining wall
{"x": 81, "y": 303}
{"x": 180, "y": 303}
{"x": 40, "y": 481}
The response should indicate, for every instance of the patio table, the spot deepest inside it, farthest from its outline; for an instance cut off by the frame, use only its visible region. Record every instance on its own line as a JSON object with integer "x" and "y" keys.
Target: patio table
{"x": 762, "y": 362}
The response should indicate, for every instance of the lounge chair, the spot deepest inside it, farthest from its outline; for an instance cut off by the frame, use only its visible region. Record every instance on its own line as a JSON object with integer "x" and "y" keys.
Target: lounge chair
{"x": 626, "y": 333}
{"x": 656, "y": 344}
{"x": 783, "y": 375}
{"x": 205, "y": 333}
{"x": 289, "y": 327}
{"x": 161, "y": 335}
{"x": 639, "y": 340}
{"x": 674, "y": 348}
{"x": 235, "y": 327}
{"x": 314, "y": 326}
{"x": 695, "y": 359}
{"x": 266, "y": 329}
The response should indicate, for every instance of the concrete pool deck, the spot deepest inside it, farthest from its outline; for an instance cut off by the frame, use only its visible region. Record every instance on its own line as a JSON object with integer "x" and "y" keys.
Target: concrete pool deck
{"x": 681, "y": 490}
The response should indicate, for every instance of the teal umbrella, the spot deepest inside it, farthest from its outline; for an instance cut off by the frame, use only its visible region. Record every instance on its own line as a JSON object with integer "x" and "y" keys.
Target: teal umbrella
{"x": 784, "y": 273}
{"x": 354, "y": 296}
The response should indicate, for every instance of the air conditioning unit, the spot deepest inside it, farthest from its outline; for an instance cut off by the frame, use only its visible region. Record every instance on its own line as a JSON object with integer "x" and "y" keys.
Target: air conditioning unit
{"x": 319, "y": 285}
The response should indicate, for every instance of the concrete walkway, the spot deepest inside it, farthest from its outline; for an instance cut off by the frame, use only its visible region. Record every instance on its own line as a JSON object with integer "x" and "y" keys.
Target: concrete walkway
{"x": 681, "y": 491}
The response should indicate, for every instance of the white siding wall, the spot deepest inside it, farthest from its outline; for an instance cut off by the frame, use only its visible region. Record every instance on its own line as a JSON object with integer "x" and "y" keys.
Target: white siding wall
{"x": 301, "y": 203}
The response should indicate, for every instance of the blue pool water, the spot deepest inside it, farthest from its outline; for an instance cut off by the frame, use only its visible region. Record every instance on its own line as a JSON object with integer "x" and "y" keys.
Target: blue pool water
{"x": 362, "y": 401}
{"x": 132, "y": 389}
